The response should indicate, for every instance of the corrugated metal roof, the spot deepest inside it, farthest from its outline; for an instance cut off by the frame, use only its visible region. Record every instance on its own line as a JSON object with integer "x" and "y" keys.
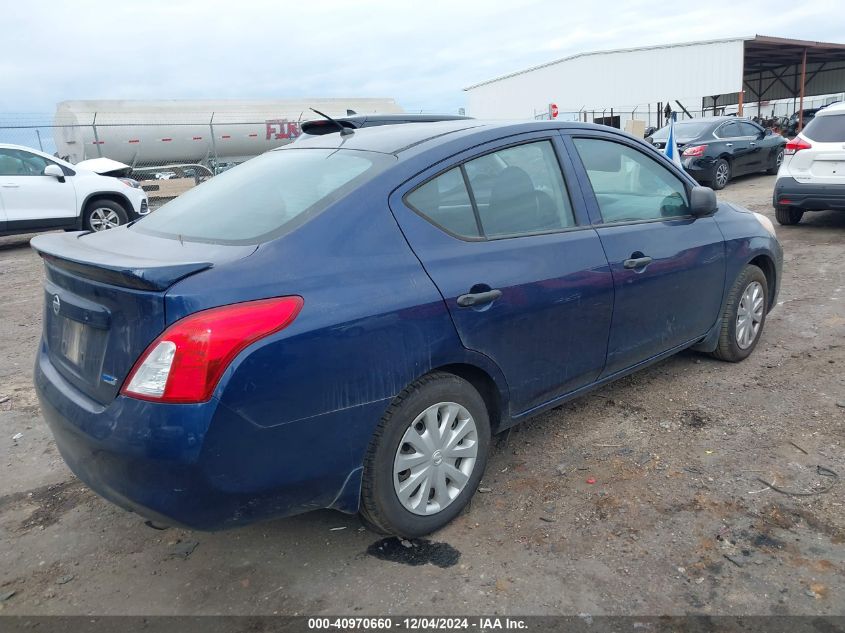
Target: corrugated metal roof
{"x": 610, "y": 52}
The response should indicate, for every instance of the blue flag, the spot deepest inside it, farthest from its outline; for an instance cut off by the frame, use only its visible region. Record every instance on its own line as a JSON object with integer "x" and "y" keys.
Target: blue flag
{"x": 671, "y": 149}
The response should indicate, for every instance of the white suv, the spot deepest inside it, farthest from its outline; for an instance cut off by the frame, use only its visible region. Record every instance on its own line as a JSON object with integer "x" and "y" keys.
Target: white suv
{"x": 812, "y": 175}
{"x": 39, "y": 192}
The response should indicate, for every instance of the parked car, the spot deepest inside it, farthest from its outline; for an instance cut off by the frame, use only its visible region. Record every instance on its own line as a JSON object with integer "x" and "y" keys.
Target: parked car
{"x": 812, "y": 176}
{"x": 320, "y": 327}
{"x": 716, "y": 149}
{"x": 318, "y": 127}
{"x": 39, "y": 192}
{"x": 791, "y": 127}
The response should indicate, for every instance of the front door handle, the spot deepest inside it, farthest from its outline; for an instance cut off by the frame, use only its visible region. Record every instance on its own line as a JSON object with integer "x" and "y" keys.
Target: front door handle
{"x": 729, "y": 144}
{"x": 478, "y": 298}
{"x": 637, "y": 262}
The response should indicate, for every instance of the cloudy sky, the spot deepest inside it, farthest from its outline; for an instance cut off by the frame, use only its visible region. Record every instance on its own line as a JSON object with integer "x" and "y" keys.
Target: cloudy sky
{"x": 422, "y": 54}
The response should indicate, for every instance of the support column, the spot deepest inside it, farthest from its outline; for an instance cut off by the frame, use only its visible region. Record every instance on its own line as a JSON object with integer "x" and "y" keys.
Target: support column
{"x": 803, "y": 87}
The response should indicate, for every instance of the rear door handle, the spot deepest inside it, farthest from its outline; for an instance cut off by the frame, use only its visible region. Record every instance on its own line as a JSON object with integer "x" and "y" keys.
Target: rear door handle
{"x": 478, "y": 298}
{"x": 637, "y": 262}
{"x": 729, "y": 144}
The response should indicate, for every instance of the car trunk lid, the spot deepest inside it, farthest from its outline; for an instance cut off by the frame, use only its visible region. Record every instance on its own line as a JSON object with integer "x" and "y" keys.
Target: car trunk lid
{"x": 104, "y": 299}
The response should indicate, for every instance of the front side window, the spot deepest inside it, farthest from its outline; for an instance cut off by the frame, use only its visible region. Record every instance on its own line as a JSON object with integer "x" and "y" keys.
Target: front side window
{"x": 264, "y": 196}
{"x": 516, "y": 191}
{"x": 630, "y": 186}
{"x": 749, "y": 129}
{"x": 15, "y": 162}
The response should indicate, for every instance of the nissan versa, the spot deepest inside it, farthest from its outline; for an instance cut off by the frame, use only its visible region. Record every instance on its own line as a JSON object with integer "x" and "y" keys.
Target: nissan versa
{"x": 343, "y": 322}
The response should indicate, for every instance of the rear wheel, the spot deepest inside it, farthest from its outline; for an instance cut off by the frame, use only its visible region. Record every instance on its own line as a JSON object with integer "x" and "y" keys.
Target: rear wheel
{"x": 426, "y": 457}
{"x": 101, "y": 215}
{"x": 778, "y": 160}
{"x": 721, "y": 174}
{"x": 744, "y": 315}
{"x": 788, "y": 215}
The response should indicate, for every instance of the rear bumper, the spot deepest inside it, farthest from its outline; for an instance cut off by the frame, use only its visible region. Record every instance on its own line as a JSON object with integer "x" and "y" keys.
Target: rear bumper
{"x": 699, "y": 168}
{"x": 200, "y": 466}
{"x": 808, "y": 196}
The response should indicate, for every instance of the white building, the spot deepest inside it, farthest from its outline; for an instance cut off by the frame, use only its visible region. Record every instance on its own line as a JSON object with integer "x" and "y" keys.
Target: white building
{"x": 692, "y": 78}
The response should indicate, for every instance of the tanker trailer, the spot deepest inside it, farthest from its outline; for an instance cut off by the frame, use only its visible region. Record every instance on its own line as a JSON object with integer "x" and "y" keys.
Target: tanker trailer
{"x": 159, "y": 133}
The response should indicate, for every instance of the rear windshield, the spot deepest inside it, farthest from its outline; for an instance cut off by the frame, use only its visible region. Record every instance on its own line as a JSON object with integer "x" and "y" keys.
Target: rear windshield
{"x": 682, "y": 130}
{"x": 263, "y": 197}
{"x": 829, "y": 128}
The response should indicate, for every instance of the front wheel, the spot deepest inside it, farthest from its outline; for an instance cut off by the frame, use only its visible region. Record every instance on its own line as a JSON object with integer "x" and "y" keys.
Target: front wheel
{"x": 101, "y": 215}
{"x": 744, "y": 315}
{"x": 787, "y": 216}
{"x": 426, "y": 458}
{"x": 721, "y": 174}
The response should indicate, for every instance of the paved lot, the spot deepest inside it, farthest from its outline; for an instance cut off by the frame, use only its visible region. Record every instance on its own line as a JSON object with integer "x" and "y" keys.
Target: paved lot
{"x": 676, "y": 522}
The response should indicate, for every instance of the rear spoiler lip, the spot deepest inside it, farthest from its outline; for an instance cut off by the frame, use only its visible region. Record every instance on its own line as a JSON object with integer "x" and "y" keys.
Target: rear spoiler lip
{"x": 125, "y": 271}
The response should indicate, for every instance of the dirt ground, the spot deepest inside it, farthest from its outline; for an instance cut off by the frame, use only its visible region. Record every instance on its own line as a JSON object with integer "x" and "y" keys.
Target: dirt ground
{"x": 677, "y": 521}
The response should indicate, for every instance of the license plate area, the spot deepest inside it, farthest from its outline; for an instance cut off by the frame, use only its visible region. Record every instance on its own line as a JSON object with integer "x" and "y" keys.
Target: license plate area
{"x": 74, "y": 342}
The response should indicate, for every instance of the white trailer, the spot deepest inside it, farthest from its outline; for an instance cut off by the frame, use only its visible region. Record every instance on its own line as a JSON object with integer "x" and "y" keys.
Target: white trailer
{"x": 175, "y": 131}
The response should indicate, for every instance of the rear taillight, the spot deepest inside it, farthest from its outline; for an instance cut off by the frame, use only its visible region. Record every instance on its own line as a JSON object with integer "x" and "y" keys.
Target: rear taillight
{"x": 796, "y": 145}
{"x": 184, "y": 364}
{"x": 695, "y": 150}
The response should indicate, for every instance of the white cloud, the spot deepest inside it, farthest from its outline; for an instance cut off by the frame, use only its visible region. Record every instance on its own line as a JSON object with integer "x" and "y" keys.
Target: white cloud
{"x": 423, "y": 54}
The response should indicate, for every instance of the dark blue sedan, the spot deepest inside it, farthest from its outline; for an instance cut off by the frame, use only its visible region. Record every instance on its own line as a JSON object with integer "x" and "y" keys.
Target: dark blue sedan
{"x": 344, "y": 322}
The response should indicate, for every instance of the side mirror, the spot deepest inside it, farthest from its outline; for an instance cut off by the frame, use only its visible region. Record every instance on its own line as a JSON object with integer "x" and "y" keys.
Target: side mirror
{"x": 55, "y": 171}
{"x": 702, "y": 201}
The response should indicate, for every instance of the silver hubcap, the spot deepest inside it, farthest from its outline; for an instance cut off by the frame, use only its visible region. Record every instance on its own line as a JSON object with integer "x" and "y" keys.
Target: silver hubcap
{"x": 104, "y": 218}
{"x": 749, "y": 315}
{"x": 435, "y": 458}
{"x": 722, "y": 174}
{"x": 779, "y": 158}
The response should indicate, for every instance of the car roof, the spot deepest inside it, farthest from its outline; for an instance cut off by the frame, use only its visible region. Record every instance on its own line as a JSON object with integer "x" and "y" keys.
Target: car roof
{"x": 400, "y": 138}
{"x": 833, "y": 108}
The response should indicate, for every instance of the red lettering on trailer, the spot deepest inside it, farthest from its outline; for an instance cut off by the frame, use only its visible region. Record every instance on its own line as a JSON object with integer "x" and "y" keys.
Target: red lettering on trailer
{"x": 281, "y": 129}
{"x": 226, "y": 136}
{"x": 166, "y": 140}
{"x": 197, "y": 138}
{"x": 253, "y": 136}
{"x": 97, "y": 142}
{"x": 134, "y": 140}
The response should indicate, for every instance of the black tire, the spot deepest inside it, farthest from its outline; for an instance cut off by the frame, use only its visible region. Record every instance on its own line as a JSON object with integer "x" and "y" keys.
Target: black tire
{"x": 92, "y": 209}
{"x": 729, "y": 349}
{"x": 716, "y": 184}
{"x": 787, "y": 216}
{"x": 381, "y": 509}
{"x": 778, "y": 160}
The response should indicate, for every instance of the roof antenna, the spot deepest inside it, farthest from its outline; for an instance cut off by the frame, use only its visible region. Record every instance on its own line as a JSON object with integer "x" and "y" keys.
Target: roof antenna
{"x": 344, "y": 131}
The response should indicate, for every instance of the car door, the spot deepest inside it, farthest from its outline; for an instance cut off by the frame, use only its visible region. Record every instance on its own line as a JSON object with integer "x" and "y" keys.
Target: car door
{"x": 734, "y": 145}
{"x": 510, "y": 248}
{"x": 757, "y": 155}
{"x": 668, "y": 267}
{"x": 33, "y": 200}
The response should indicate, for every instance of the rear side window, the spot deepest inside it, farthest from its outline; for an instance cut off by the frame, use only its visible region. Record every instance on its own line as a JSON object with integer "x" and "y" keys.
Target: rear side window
{"x": 828, "y": 128}
{"x": 516, "y": 191}
{"x": 263, "y": 197}
{"x": 729, "y": 130}
{"x": 445, "y": 202}
{"x": 630, "y": 186}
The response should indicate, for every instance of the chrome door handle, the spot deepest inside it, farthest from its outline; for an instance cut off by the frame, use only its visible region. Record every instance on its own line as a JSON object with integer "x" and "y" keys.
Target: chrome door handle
{"x": 478, "y": 298}
{"x": 752, "y": 144}
{"x": 9, "y": 185}
{"x": 729, "y": 144}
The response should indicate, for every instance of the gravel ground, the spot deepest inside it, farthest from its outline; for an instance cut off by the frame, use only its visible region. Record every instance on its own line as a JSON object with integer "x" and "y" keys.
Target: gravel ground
{"x": 677, "y": 520}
